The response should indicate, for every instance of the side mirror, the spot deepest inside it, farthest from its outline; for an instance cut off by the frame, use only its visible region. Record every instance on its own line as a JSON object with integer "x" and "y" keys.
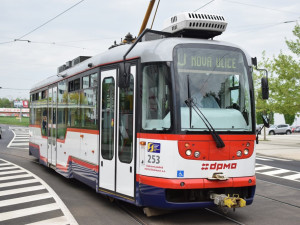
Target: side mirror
{"x": 264, "y": 88}
{"x": 124, "y": 75}
{"x": 266, "y": 121}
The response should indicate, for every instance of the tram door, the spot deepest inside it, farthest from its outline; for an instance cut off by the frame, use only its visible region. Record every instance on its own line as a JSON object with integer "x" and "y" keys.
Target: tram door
{"x": 116, "y": 170}
{"x": 52, "y": 103}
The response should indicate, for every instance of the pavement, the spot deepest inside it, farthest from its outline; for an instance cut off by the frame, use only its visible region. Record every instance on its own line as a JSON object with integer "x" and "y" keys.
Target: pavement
{"x": 280, "y": 146}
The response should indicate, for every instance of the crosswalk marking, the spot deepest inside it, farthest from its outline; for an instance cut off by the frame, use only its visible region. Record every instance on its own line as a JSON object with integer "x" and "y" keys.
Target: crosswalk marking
{"x": 268, "y": 158}
{"x": 15, "y": 183}
{"x": 21, "y": 190}
{"x": 54, "y": 221}
{"x": 277, "y": 172}
{"x": 293, "y": 177}
{"x": 7, "y": 167}
{"x": 28, "y": 211}
{"x": 10, "y": 172}
{"x": 29, "y": 197}
{"x": 263, "y": 168}
{"x": 21, "y": 138}
{"x": 15, "y": 177}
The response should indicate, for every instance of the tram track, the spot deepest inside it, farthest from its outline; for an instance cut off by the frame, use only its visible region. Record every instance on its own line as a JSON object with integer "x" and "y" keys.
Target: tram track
{"x": 224, "y": 216}
{"x": 130, "y": 213}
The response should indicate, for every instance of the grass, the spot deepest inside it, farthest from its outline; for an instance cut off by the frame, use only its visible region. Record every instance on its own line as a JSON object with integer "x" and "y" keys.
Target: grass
{"x": 14, "y": 121}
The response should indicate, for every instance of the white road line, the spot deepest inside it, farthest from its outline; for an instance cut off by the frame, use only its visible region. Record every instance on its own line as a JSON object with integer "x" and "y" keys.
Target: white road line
{"x": 263, "y": 168}
{"x": 259, "y": 158}
{"x": 30, "y": 198}
{"x": 21, "y": 182}
{"x": 8, "y": 167}
{"x": 275, "y": 172}
{"x": 22, "y": 190}
{"x": 4, "y": 164}
{"x": 11, "y": 172}
{"x": 268, "y": 158}
{"x": 292, "y": 177}
{"x": 34, "y": 210}
{"x": 17, "y": 144}
{"x": 55, "y": 221}
{"x": 28, "y": 211}
{"x": 15, "y": 177}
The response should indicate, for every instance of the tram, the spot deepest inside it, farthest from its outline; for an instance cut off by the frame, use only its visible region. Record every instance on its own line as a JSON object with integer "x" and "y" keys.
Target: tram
{"x": 166, "y": 122}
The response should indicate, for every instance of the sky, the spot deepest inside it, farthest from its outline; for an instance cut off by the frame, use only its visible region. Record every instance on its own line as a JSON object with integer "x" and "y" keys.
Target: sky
{"x": 92, "y": 26}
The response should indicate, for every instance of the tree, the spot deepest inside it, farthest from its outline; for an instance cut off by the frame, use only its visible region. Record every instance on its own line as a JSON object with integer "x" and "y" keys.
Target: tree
{"x": 5, "y": 103}
{"x": 284, "y": 81}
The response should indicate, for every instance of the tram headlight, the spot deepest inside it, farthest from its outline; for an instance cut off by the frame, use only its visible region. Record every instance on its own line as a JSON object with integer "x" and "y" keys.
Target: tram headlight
{"x": 197, "y": 154}
{"x": 239, "y": 153}
{"x": 246, "y": 151}
{"x": 188, "y": 152}
{"x": 248, "y": 144}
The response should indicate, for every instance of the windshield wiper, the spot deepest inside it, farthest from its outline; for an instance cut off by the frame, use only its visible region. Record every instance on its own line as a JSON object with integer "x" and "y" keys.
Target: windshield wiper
{"x": 191, "y": 104}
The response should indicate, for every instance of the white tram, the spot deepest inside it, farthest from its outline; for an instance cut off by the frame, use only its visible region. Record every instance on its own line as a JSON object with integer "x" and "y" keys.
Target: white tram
{"x": 167, "y": 122}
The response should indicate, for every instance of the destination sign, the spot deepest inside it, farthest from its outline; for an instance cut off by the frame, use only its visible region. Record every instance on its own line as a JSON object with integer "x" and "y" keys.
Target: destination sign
{"x": 219, "y": 60}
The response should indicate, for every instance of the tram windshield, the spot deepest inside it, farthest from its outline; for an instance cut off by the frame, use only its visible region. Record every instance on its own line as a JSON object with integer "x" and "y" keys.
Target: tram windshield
{"x": 218, "y": 85}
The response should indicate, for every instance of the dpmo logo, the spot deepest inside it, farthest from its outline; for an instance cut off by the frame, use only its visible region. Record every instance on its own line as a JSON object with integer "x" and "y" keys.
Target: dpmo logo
{"x": 218, "y": 166}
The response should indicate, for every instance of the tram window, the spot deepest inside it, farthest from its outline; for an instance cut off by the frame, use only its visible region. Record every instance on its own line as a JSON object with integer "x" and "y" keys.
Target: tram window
{"x": 88, "y": 100}
{"x": 94, "y": 79}
{"x": 73, "y": 109}
{"x": 156, "y": 97}
{"x": 107, "y": 127}
{"x": 76, "y": 84}
{"x": 62, "y": 110}
{"x": 86, "y": 82}
{"x": 71, "y": 86}
{"x": 126, "y": 97}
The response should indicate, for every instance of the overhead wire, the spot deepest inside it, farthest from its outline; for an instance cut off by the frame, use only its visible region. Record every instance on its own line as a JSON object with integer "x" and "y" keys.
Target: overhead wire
{"x": 49, "y": 20}
{"x": 204, "y": 5}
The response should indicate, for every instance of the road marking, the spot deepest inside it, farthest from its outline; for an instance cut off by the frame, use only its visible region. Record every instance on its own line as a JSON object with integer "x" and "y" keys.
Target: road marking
{"x": 15, "y": 177}
{"x": 28, "y": 211}
{"x": 30, "y": 198}
{"x": 293, "y": 177}
{"x": 41, "y": 205}
{"x": 21, "y": 190}
{"x": 277, "y": 172}
{"x": 263, "y": 167}
{"x": 20, "y": 139}
{"x": 268, "y": 158}
{"x": 10, "y": 172}
{"x": 54, "y": 221}
{"x": 7, "y": 167}
{"x": 15, "y": 183}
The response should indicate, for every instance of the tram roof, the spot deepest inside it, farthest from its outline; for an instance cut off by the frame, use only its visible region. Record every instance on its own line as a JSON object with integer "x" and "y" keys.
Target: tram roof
{"x": 147, "y": 51}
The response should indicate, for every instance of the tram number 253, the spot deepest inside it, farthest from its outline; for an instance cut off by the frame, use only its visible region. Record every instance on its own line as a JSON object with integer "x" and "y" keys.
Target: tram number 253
{"x": 154, "y": 159}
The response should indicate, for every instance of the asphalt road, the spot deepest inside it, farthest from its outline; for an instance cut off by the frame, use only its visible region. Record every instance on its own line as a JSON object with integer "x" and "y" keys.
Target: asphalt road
{"x": 276, "y": 202}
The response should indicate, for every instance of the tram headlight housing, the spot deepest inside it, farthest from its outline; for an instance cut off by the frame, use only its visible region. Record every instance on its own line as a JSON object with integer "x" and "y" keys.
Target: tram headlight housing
{"x": 188, "y": 152}
{"x": 197, "y": 154}
{"x": 246, "y": 151}
{"x": 239, "y": 153}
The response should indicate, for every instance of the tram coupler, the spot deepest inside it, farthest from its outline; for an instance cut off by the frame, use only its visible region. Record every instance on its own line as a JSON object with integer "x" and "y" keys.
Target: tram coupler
{"x": 223, "y": 200}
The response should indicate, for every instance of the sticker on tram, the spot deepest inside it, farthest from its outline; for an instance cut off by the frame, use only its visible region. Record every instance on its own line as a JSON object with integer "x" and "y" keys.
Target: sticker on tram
{"x": 153, "y": 147}
{"x": 180, "y": 173}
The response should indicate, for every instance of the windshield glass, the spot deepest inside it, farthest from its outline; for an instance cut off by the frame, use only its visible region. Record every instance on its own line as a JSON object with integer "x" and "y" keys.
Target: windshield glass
{"x": 218, "y": 85}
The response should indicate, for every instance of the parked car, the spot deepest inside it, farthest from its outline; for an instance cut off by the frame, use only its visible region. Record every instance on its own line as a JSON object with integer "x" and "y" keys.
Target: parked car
{"x": 280, "y": 129}
{"x": 294, "y": 128}
{"x": 297, "y": 130}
